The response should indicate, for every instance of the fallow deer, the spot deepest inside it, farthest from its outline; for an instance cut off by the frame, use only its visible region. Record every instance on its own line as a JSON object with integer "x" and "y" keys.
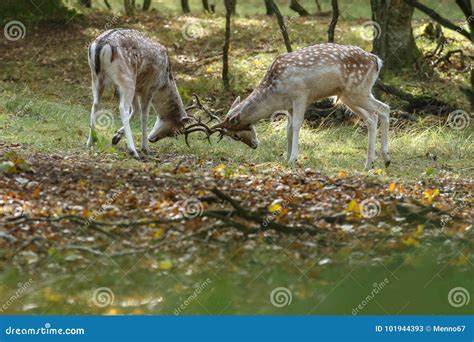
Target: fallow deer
{"x": 296, "y": 79}
{"x": 140, "y": 70}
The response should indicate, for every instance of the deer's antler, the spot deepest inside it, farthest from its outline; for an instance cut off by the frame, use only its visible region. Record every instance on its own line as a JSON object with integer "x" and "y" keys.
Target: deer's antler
{"x": 200, "y": 126}
{"x": 201, "y": 106}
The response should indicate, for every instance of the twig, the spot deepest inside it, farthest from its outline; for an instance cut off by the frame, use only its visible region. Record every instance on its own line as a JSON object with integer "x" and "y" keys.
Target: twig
{"x": 263, "y": 223}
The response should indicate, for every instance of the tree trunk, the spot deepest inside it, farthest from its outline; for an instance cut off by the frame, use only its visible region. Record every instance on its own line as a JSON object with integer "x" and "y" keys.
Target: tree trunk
{"x": 146, "y": 5}
{"x": 269, "y": 8}
{"x": 225, "y": 50}
{"x": 281, "y": 23}
{"x": 107, "y": 4}
{"x": 318, "y": 5}
{"x": 129, "y": 8}
{"x": 295, "y": 6}
{"x": 86, "y": 3}
{"x": 205, "y": 5}
{"x": 335, "y": 17}
{"x": 185, "y": 6}
{"x": 466, "y": 8}
{"x": 393, "y": 34}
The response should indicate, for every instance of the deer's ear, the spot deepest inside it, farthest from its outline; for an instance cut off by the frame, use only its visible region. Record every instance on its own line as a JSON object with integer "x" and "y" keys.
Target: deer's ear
{"x": 236, "y": 102}
{"x": 234, "y": 119}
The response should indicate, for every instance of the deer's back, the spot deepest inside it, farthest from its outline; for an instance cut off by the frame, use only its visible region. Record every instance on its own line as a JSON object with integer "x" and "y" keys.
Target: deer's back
{"x": 135, "y": 55}
{"x": 322, "y": 70}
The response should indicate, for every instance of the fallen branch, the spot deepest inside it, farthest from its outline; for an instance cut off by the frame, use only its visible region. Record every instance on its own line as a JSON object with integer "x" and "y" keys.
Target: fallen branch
{"x": 416, "y": 103}
{"x": 261, "y": 221}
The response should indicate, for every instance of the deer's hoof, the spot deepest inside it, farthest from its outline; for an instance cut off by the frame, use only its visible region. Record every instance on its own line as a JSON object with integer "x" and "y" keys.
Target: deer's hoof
{"x": 370, "y": 165}
{"x": 134, "y": 154}
{"x": 146, "y": 151}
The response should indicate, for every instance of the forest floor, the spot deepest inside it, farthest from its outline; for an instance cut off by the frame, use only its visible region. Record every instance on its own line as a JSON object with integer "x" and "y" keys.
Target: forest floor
{"x": 78, "y": 226}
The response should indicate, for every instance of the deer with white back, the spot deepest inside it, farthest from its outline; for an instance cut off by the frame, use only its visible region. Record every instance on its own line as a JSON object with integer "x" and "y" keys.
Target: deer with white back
{"x": 140, "y": 70}
{"x": 297, "y": 79}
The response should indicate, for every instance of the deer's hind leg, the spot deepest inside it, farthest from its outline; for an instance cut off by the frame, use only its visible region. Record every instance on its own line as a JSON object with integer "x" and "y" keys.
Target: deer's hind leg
{"x": 371, "y": 119}
{"x": 127, "y": 95}
{"x": 383, "y": 111}
{"x": 118, "y": 135}
{"x": 98, "y": 87}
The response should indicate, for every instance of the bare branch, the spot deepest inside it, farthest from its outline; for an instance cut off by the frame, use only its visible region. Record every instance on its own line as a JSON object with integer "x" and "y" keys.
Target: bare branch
{"x": 438, "y": 18}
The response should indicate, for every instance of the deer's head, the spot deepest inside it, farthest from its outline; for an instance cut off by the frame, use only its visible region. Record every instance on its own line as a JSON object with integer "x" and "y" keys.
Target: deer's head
{"x": 238, "y": 129}
{"x": 172, "y": 116}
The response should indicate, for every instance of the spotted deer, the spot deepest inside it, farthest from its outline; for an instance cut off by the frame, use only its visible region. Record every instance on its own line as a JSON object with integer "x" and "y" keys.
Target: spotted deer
{"x": 140, "y": 70}
{"x": 296, "y": 79}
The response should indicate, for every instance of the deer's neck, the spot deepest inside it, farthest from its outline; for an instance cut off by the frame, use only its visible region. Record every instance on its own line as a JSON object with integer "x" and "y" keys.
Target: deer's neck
{"x": 169, "y": 104}
{"x": 261, "y": 104}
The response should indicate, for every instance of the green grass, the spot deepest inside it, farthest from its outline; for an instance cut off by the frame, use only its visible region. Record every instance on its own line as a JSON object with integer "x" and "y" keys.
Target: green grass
{"x": 54, "y": 127}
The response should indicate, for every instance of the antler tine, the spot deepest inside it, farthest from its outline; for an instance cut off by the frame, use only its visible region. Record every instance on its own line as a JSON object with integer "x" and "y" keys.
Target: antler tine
{"x": 199, "y": 126}
{"x": 205, "y": 109}
{"x": 195, "y": 129}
